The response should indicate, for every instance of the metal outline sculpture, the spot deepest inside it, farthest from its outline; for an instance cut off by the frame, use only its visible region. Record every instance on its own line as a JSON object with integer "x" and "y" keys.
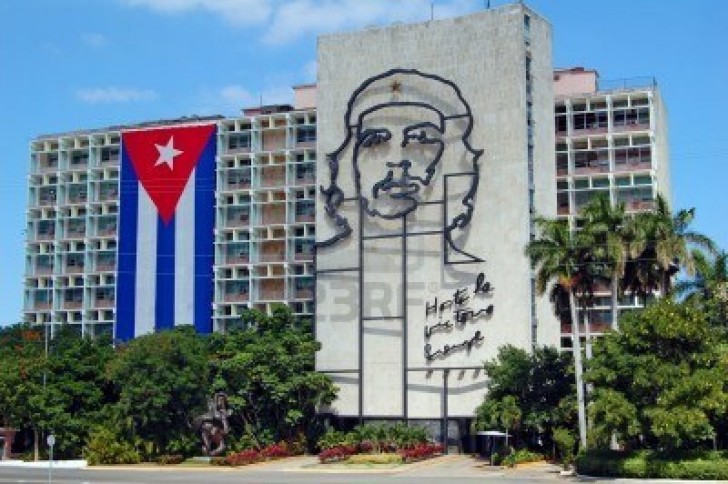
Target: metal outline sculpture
{"x": 334, "y": 196}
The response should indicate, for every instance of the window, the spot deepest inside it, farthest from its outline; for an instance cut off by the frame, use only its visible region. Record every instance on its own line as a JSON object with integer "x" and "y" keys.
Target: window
{"x": 237, "y": 141}
{"x": 305, "y": 134}
{"x": 527, "y": 24}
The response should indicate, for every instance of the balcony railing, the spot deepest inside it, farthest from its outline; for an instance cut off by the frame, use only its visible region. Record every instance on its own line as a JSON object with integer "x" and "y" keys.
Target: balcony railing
{"x": 304, "y": 293}
{"x": 305, "y": 217}
{"x": 278, "y": 257}
{"x": 239, "y": 221}
{"x": 72, "y": 304}
{"x": 272, "y": 294}
{"x": 237, "y": 259}
{"x": 236, "y": 297}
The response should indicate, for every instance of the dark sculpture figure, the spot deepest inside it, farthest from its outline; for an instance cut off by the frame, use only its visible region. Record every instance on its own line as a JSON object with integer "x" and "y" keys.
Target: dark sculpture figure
{"x": 213, "y": 426}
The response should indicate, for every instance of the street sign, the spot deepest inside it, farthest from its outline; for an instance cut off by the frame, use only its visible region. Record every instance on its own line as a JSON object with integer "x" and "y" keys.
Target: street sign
{"x": 51, "y": 440}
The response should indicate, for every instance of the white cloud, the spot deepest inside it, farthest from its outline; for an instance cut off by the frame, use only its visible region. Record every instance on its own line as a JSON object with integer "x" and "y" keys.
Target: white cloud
{"x": 94, "y": 39}
{"x": 113, "y": 94}
{"x": 284, "y": 21}
{"x": 295, "y": 18}
{"x": 236, "y": 12}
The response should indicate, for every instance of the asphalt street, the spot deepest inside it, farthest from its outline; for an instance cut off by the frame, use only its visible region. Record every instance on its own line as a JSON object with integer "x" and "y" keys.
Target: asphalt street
{"x": 455, "y": 470}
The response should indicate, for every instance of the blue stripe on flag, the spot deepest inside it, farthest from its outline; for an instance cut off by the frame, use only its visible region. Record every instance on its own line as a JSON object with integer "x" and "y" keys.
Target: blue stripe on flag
{"x": 205, "y": 235}
{"x": 164, "y": 300}
{"x": 126, "y": 257}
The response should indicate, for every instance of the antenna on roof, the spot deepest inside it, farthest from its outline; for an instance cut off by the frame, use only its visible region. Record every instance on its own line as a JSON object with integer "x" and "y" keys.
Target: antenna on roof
{"x": 486, "y": 4}
{"x": 432, "y": 10}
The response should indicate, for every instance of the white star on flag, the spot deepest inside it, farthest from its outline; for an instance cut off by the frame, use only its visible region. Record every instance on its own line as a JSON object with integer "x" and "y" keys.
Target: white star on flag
{"x": 167, "y": 153}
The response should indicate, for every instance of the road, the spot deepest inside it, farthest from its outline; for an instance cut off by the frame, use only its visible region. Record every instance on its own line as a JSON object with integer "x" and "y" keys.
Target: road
{"x": 453, "y": 470}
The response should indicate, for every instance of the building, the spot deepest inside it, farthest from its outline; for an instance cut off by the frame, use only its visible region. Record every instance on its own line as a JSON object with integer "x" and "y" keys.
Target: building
{"x": 439, "y": 142}
{"x": 611, "y": 137}
{"x": 434, "y": 146}
{"x": 264, "y": 218}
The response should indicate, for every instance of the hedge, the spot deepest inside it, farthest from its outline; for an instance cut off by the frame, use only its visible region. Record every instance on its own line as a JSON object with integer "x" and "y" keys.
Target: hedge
{"x": 654, "y": 465}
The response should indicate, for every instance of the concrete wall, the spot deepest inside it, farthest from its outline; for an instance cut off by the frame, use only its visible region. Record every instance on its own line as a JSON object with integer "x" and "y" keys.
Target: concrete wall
{"x": 484, "y": 55}
{"x": 574, "y": 81}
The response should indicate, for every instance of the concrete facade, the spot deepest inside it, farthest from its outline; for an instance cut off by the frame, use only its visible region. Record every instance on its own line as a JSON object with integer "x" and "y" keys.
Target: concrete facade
{"x": 391, "y": 356}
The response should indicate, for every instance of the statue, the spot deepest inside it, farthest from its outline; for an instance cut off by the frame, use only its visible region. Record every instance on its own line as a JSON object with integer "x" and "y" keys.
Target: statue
{"x": 213, "y": 426}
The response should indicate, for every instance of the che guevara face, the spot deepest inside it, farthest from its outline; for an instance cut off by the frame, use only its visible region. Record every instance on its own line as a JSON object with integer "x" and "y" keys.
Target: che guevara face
{"x": 396, "y": 154}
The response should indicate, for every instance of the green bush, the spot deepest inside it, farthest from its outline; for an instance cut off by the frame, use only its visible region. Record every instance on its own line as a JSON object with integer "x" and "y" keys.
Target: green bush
{"x": 565, "y": 442}
{"x": 521, "y": 456}
{"x": 333, "y": 438}
{"x": 106, "y": 447}
{"x": 654, "y": 465}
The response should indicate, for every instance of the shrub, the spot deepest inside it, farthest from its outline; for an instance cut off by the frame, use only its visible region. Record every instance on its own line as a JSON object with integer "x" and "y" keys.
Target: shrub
{"x": 219, "y": 461}
{"x": 249, "y": 456}
{"x": 106, "y": 447}
{"x": 648, "y": 464}
{"x": 420, "y": 452}
{"x": 336, "y": 454}
{"x": 565, "y": 442}
{"x": 173, "y": 459}
{"x": 375, "y": 459}
{"x": 275, "y": 451}
{"x": 521, "y": 456}
{"x": 333, "y": 438}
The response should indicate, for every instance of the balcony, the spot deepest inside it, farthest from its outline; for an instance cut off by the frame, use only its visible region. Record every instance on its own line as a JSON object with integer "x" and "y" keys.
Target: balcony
{"x": 107, "y": 230}
{"x": 46, "y": 235}
{"x": 237, "y": 183}
{"x": 236, "y": 297}
{"x": 41, "y": 306}
{"x": 241, "y": 258}
{"x": 75, "y": 198}
{"x": 73, "y": 304}
{"x": 307, "y": 179}
{"x": 106, "y": 195}
{"x": 43, "y": 269}
{"x": 103, "y": 303}
{"x": 272, "y": 295}
{"x": 271, "y": 257}
{"x": 306, "y": 293}
{"x": 237, "y": 220}
{"x": 639, "y": 205}
{"x": 273, "y": 178}
{"x": 305, "y": 217}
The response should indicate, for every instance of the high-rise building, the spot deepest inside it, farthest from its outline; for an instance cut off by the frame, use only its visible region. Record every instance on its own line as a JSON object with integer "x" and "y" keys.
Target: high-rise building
{"x": 418, "y": 167}
{"x": 611, "y": 138}
{"x": 264, "y": 218}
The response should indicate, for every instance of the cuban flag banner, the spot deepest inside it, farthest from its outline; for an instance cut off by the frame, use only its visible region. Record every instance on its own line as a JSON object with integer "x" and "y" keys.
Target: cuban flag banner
{"x": 166, "y": 230}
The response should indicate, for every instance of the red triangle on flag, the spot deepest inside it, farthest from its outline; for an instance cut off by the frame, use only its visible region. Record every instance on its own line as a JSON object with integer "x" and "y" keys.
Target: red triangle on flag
{"x": 163, "y": 159}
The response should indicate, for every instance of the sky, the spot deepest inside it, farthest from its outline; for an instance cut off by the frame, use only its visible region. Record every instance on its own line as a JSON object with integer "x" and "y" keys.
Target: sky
{"x": 71, "y": 64}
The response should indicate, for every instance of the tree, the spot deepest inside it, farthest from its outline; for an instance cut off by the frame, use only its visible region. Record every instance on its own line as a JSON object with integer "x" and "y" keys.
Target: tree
{"x": 605, "y": 224}
{"x": 77, "y": 390}
{"x": 562, "y": 257}
{"x": 709, "y": 287}
{"x": 162, "y": 381}
{"x": 529, "y": 394}
{"x": 22, "y": 363}
{"x": 662, "y": 382}
{"x": 661, "y": 243}
{"x": 267, "y": 370}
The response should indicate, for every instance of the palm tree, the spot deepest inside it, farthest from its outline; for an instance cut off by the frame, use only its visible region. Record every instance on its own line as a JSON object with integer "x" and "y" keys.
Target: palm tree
{"x": 710, "y": 284}
{"x": 606, "y": 225}
{"x": 660, "y": 247}
{"x": 558, "y": 256}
